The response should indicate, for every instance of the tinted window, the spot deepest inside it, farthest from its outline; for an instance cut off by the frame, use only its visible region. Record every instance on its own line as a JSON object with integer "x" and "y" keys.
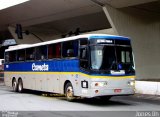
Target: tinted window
{"x": 70, "y": 49}
{"x": 30, "y": 54}
{"x": 20, "y": 55}
{"x": 41, "y": 52}
{"x": 54, "y": 51}
{"x": 12, "y": 56}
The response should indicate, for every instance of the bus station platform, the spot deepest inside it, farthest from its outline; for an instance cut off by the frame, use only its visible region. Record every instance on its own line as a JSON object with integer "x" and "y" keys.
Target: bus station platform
{"x": 147, "y": 87}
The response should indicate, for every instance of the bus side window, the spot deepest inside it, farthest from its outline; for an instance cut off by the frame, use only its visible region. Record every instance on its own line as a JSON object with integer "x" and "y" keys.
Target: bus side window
{"x": 21, "y": 55}
{"x": 70, "y": 49}
{"x": 12, "y": 56}
{"x": 83, "y": 58}
{"x": 41, "y": 52}
{"x": 30, "y": 54}
{"x": 6, "y": 57}
{"x": 54, "y": 51}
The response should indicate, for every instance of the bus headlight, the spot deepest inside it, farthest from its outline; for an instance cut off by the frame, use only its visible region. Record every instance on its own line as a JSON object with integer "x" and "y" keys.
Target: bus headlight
{"x": 131, "y": 83}
{"x": 98, "y": 84}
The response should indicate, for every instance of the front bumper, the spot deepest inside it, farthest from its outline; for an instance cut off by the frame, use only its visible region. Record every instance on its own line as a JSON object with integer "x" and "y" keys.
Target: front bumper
{"x": 89, "y": 93}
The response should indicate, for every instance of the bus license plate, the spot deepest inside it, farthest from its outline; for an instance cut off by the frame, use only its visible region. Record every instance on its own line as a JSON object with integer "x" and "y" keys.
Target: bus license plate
{"x": 117, "y": 90}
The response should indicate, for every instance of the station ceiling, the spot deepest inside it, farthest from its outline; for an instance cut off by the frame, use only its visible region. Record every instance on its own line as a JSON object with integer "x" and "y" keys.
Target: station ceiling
{"x": 61, "y": 16}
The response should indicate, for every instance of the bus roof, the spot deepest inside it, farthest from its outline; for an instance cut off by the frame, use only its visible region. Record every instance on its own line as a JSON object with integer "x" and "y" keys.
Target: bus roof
{"x": 89, "y": 36}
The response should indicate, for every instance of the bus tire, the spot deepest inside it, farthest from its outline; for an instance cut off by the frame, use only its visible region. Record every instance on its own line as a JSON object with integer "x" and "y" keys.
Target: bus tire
{"x": 69, "y": 92}
{"x": 20, "y": 86}
{"x": 14, "y": 85}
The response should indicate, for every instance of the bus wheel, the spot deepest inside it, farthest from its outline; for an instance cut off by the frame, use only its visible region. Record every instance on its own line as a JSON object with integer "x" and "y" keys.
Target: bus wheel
{"x": 20, "y": 86}
{"x": 14, "y": 85}
{"x": 69, "y": 93}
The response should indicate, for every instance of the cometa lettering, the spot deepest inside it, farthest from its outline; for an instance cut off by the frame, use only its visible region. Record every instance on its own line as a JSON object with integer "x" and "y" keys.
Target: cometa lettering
{"x": 43, "y": 67}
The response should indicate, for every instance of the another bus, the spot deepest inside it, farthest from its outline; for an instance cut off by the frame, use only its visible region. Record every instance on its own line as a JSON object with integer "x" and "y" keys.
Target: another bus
{"x": 1, "y": 70}
{"x": 91, "y": 65}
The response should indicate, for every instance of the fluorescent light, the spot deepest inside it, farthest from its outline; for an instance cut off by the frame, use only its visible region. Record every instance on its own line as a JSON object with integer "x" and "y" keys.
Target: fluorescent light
{"x": 9, "y": 3}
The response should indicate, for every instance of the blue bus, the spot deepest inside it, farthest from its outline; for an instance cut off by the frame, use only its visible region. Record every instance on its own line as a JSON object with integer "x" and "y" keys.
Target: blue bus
{"x": 91, "y": 65}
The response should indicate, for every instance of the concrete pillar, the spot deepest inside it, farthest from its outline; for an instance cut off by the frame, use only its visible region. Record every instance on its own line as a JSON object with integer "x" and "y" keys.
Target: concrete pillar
{"x": 144, "y": 29}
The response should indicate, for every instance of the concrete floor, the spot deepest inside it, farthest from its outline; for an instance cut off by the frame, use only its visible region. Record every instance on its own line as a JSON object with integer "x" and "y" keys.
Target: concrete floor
{"x": 35, "y": 101}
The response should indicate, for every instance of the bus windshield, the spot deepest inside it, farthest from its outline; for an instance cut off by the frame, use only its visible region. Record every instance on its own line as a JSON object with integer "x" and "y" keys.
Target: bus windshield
{"x": 104, "y": 57}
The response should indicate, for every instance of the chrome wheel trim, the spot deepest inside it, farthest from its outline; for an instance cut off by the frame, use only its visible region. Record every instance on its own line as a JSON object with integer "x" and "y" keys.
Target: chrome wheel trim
{"x": 69, "y": 93}
{"x": 14, "y": 85}
{"x": 20, "y": 87}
